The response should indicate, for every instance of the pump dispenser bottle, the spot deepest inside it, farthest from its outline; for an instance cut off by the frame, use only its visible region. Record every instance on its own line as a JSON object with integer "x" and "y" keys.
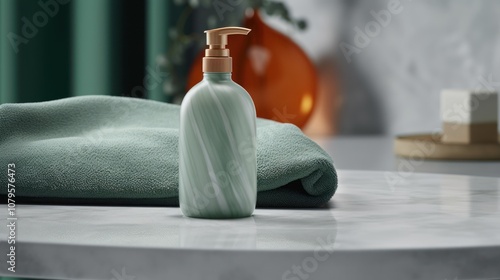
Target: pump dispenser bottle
{"x": 217, "y": 152}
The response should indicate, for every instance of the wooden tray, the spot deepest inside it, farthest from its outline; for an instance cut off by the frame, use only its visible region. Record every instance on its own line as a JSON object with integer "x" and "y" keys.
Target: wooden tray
{"x": 428, "y": 146}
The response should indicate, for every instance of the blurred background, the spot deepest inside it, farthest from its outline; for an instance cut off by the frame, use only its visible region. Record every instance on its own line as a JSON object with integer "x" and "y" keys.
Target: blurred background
{"x": 330, "y": 67}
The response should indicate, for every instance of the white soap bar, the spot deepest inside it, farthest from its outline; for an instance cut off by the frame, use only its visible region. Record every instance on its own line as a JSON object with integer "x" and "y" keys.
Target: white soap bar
{"x": 469, "y": 106}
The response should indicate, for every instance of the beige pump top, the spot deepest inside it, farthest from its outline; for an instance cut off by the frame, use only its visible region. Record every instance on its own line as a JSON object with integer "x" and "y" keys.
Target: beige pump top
{"x": 217, "y": 57}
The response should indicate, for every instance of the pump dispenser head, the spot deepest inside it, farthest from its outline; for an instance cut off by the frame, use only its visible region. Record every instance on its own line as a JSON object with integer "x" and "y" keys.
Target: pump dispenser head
{"x": 217, "y": 57}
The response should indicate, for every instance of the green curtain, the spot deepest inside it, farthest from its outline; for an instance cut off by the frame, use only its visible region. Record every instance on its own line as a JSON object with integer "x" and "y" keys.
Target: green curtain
{"x": 157, "y": 25}
{"x": 7, "y": 65}
{"x": 50, "y": 49}
{"x": 96, "y": 47}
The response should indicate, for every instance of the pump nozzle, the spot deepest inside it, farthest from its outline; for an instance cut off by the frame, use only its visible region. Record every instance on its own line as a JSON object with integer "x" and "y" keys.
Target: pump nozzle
{"x": 217, "y": 57}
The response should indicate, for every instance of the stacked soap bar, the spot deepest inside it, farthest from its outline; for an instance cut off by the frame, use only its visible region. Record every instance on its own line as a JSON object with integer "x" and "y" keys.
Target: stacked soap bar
{"x": 469, "y": 116}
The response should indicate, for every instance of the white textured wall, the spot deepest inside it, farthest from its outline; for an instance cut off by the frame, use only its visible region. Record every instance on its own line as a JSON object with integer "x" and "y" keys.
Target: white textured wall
{"x": 393, "y": 84}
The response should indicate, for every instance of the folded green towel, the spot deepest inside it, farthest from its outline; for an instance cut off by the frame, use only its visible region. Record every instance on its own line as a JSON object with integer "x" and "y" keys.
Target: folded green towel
{"x": 123, "y": 151}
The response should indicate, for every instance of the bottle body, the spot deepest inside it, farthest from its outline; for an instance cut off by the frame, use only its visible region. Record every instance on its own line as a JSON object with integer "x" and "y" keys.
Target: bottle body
{"x": 217, "y": 150}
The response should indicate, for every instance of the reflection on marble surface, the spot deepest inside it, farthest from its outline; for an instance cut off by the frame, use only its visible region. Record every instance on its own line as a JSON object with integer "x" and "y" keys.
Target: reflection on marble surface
{"x": 218, "y": 234}
{"x": 427, "y": 226}
{"x": 167, "y": 228}
{"x": 468, "y": 197}
{"x": 278, "y": 230}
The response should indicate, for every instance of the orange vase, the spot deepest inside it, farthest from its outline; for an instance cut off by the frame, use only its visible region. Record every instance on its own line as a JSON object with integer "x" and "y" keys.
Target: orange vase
{"x": 273, "y": 69}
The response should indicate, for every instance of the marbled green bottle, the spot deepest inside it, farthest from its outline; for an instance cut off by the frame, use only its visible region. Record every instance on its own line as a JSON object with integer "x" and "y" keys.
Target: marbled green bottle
{"x": 217, "y": 152}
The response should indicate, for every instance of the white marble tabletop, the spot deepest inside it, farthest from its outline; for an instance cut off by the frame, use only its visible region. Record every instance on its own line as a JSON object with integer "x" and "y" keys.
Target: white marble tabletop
{"x": 420, "y": 226}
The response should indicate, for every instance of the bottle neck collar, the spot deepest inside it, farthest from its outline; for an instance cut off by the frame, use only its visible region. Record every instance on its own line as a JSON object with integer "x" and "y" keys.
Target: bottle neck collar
{"x": 217, "y": 64}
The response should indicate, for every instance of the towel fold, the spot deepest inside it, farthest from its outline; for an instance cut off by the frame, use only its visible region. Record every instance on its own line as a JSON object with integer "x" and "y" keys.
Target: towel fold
{"x": 123, "y": 151}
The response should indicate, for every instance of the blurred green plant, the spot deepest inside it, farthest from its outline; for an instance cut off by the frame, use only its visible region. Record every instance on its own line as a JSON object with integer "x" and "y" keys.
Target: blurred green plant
{"x": 213, "y": 14}
{"x": 279, "y": 9}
